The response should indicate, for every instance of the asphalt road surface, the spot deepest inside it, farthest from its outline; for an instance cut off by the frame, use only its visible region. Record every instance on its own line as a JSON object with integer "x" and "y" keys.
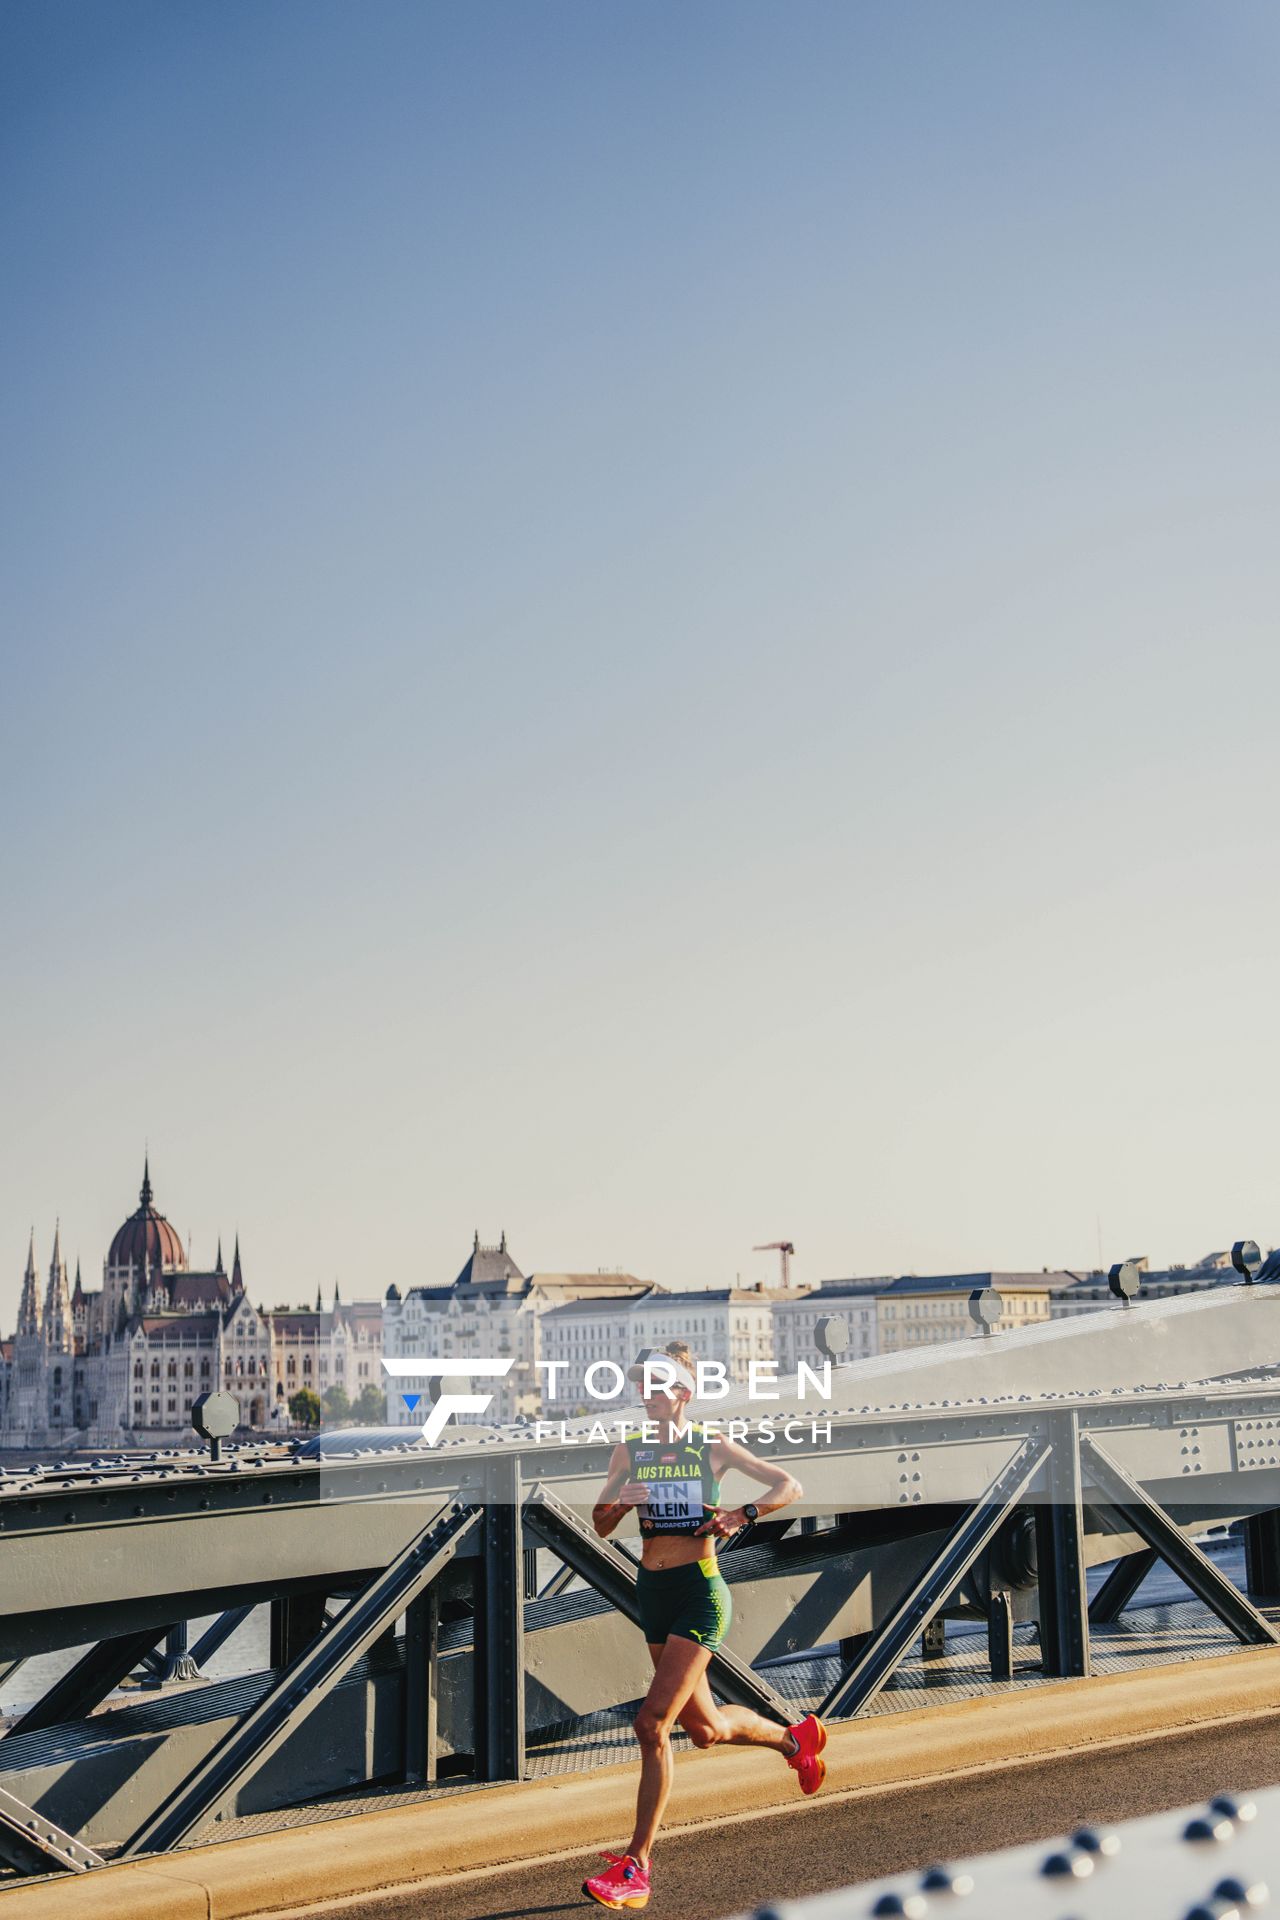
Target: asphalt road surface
{"x": 706, "y": 1873}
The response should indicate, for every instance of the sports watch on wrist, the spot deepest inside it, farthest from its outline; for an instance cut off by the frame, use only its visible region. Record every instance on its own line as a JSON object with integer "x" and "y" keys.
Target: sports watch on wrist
{"x": 751, "y": 1510}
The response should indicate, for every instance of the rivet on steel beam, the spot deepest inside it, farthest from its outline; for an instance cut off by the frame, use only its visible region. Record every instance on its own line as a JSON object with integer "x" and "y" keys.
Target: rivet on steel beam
{"x": 1090, "y": 1840}
{"x": 1217, "y": 1829}
{"x": 1078, "y": 1865}
{"x": 1253, "y": 1894}
{"x": 1232, "y": 1809}
{"x": 943, "y": 1880}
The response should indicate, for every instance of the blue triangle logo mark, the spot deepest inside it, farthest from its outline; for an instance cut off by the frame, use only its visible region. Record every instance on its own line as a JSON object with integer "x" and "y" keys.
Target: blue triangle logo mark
{"x": 411, "y": 1400}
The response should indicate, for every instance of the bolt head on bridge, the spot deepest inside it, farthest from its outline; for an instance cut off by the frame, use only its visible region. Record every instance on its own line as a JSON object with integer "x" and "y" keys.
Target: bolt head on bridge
{"x": 1125, "y": 1280}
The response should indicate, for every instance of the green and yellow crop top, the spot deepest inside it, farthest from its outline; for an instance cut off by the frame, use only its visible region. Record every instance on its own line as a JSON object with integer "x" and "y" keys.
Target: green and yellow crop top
{"x": 682, "y": 1486}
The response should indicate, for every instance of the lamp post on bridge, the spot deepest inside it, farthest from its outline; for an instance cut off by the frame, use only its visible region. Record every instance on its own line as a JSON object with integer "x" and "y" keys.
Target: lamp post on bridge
{"x": 985, "y": 1309}
{"x": 215, "y": 1415}
{"x": 831, "y": 1336}
{"x": 1246, "y": 1258}
{"x": 1125, "y": 1281}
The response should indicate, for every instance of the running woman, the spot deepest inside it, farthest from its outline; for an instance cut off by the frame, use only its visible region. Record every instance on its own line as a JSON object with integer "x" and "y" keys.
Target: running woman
{"x": 673, "y": 1483}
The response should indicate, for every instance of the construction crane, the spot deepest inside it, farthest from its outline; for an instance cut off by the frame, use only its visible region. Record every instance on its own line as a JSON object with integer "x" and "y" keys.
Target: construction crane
{"x": 784, "y": 1249}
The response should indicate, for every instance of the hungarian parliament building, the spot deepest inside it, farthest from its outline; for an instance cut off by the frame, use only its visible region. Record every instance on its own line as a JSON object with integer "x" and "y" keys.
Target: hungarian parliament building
{"x": 121, "y": 1364}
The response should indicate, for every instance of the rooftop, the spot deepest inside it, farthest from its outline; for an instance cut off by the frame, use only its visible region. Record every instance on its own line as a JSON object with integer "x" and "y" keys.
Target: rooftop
{"x": 490, "y": 1267}
{"x": 966, "y": 1283}
{"x": 177, "y": 1327}
{"x": 593, "y": 1303}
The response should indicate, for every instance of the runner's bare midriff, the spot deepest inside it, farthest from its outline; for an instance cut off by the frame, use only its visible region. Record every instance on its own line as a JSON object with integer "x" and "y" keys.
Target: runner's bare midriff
{"x": 675, "y": 1550}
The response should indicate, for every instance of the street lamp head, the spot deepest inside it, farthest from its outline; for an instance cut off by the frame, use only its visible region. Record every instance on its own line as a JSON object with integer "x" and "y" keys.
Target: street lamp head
{"x": 214, "y": 1415}
{"x": 985, "y": 1308}
{"x": 1124, "y": 1280}
{"x": 439, "y": 1384}
{"x": 1246, "y": 1258}
{"x": 831, "y": 1335}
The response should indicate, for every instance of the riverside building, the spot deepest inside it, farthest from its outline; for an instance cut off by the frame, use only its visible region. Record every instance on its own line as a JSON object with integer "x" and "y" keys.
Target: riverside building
{"x": 120, "y": 1364}
{"x": 492, "y": 1310}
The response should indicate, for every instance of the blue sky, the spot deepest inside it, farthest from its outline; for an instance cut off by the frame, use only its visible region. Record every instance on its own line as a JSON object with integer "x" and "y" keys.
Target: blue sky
{"x": 651, "y": 626}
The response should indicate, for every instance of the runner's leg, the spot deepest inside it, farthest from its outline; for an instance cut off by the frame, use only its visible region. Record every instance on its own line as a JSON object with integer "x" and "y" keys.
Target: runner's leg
{"x": 679, "y": 1665}
{"x": 708, "y": 1724}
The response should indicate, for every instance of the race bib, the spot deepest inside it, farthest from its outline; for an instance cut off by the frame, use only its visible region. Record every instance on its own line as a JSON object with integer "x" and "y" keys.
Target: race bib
{"x": 674, "y": 1502}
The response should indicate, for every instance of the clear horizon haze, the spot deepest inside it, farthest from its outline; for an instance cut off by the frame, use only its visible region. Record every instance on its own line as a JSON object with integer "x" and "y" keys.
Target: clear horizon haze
{"x": 651, "y": 627}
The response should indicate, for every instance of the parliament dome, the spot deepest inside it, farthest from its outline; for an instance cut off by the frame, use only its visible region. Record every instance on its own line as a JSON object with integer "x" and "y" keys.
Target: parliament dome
{"x": 146, "y": 1238}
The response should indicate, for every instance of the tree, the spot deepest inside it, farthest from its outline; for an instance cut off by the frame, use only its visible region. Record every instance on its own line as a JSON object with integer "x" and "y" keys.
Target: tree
{"x": 370, "y": 1408}
{"x": 337, "y": 1407}
{"x": 304, "y": 1408}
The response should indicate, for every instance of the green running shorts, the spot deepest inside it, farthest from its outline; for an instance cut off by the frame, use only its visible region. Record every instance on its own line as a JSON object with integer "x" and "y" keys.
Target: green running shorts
{"x": 691, "y": 1601}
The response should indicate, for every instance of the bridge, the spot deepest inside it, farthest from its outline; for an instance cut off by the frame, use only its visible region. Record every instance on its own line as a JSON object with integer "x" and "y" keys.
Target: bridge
{"x": 1225, "y": 1852}
{"x": 444, "y": 1625}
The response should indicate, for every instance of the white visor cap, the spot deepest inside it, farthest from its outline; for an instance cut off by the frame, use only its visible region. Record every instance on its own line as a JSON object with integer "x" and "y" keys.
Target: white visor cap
{"x": 664, "y": 1371}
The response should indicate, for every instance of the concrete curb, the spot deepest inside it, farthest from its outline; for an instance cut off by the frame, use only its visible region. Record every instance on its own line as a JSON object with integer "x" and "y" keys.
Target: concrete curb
{"x": 493, "y": 1826}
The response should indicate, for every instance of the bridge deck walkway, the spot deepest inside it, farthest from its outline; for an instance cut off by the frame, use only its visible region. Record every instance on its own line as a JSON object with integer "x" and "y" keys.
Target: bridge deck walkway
{"x": 810, "y": 1847}
{"x": 1148, "y": 1635}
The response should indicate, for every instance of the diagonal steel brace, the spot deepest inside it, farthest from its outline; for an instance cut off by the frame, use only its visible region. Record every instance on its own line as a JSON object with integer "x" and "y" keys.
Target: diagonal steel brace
{"x": 1120, "y": 1585}
{"x": 305, "y": 1682}
{"x": 883, "y": 1651}
{"x": 87, "y": 1684}
{"x": 31, "y": 1844}
{"x": 1148, "y": 1518}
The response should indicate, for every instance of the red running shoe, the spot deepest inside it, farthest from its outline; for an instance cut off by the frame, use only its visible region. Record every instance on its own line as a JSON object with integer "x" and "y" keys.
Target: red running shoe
{"x": 810, "y": 1737}
{"x": 625, "y": 1884}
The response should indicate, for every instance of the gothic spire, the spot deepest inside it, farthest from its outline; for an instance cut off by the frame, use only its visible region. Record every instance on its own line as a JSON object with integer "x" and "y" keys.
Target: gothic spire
{"x": 145, "y": 1195}
{"x": 57, "y": 1301}
{"x": 237, "y": 1278}
{"x": 319, "y": 1305}
{"x": 217, "y": 1265}
{"x": 29, "y": 1310}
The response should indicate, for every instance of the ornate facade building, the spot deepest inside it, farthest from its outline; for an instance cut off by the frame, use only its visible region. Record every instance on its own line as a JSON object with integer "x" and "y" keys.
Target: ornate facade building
{"x": 492, "y": 1309}
{"x": 121, "y": 1364}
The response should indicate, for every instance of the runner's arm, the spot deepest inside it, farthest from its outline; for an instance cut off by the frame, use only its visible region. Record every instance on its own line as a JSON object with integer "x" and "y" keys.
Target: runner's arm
{"x": 783, "y": 1487}
{"x": 608, "y": 1509}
